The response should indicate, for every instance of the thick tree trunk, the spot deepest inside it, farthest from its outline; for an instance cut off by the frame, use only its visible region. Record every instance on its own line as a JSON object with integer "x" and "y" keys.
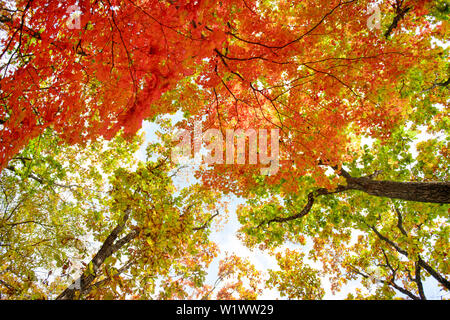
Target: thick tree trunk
{"x": 433, "y": 192}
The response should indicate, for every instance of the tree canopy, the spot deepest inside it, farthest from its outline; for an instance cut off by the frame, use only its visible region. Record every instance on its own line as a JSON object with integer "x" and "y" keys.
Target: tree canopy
{"x": 357, "y": 91}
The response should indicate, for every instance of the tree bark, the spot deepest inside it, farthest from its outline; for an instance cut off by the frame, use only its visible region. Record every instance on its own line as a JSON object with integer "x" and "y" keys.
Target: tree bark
{"x": 432, "y": 192}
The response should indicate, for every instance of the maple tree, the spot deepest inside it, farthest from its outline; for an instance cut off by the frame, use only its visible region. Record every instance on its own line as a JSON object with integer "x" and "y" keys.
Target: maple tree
{"x": 323, "y": 88}
{"x": 84, "y": 226}
{"x": 98, "y": 82}
{"x": 391, "y": 246}
{"x": 96, "y": 79}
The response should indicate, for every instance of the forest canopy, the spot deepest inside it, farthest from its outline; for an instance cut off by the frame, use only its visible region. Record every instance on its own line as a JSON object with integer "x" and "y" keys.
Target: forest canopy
{"x": 346, "y": 100}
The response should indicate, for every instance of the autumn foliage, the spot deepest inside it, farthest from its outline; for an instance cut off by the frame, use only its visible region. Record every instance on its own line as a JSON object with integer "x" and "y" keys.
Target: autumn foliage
{"x": 77, "y": 77}
{"x": 104, "y": 76}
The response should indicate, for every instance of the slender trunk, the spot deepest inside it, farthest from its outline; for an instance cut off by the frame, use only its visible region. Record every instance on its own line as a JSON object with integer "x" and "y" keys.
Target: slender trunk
{"x": 432, "y": 192}
{"x": 109, "y": 247}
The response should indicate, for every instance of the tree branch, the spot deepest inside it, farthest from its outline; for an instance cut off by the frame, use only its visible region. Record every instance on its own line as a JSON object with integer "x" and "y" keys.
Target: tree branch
{"x": 434, "y": 273}
{"x": 418, "y": 280}
{"x": 311, "y": 198}
{"x": 400, "y": 15}
{"x": 421, "y": 262}
{"x": 400, "y": 221}
{"x": 207, "y": 222}
{"x": 389, "y": 283}
{"x": 100, "y": 283}
{"x": 429, "y": 192}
